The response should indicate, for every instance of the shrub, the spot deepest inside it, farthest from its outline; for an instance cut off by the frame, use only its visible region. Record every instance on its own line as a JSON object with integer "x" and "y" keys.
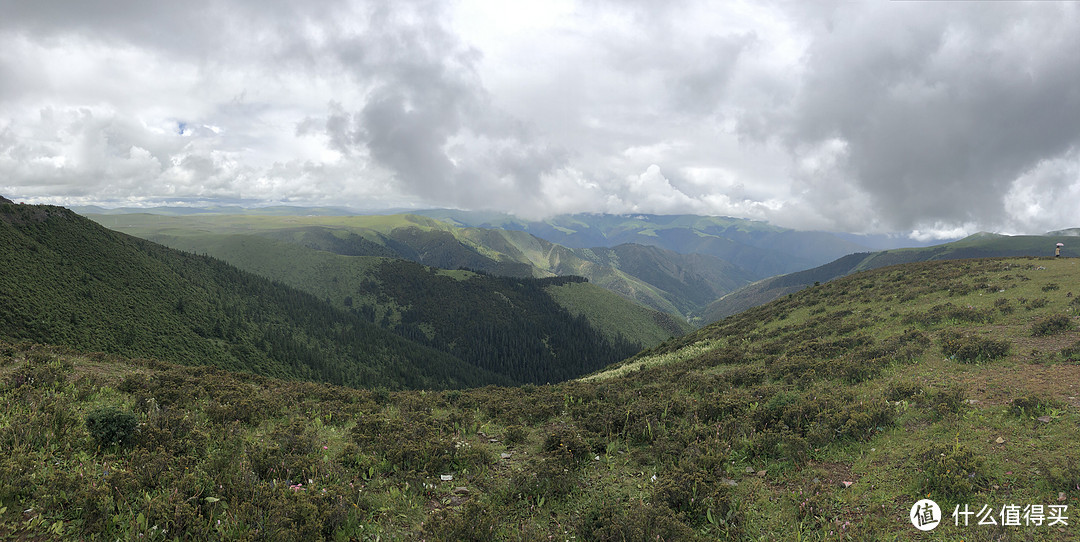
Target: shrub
{"x": 1004, "y": 305}
{"x": 971, "y": 349}
{"x": 950, "y": 471}
{"x": 609, "y": 520}
{"x": 945, "y": 401}
{"x": 110, "y": 426}
{"x": 515, "y": 434}
{"x": 1055, "y": 323}
{"x": 474, "y": 522}
{"x": 898, "y": 391}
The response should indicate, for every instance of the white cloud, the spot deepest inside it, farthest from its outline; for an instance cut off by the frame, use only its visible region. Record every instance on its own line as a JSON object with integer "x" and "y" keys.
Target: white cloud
{"x": 937, "y": 118}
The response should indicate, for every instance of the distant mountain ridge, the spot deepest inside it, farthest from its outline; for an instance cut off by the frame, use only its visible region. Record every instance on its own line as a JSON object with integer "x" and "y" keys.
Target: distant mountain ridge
{"x": 762, "y": 249}
{"x": 979, "y": 245}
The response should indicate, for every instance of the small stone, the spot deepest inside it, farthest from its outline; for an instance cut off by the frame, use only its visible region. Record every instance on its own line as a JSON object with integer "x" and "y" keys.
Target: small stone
{"x": 1061, "y": 495}
{"x": 504, "y": 455}
{"x": 749, "y": 470}
{"x": 729, "y": 482}
{"x": 461, "y": 491}
{"x": 1044, "y": 419}
{"x": 597, "y": 458}
{"x": 761, "y": 473}
{"x": 493, "y": 440}
{"x": 1000, "y": 440}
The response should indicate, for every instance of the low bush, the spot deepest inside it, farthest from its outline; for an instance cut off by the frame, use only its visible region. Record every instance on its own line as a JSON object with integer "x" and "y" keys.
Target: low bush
{"x": 111, "y": 426}
{"x": 950, "y": 472}
{"x": 1049, "y": 325}
{"x": 972, "y": 348}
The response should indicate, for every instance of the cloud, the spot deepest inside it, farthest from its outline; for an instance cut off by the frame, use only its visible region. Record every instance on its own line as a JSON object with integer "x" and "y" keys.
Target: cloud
{"x": 869, "y": 117}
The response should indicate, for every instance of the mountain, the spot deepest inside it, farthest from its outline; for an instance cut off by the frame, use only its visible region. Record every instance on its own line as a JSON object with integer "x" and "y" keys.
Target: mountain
{"x": 66, "y": 280}
{"x": 761, "y": 249}
{"x": 824, "y": 415}
{"x": 509, "y": 325}
{"x": 680, "y": 284}
{"x": 979, "y": 245}
{"x": 404, "y": 296}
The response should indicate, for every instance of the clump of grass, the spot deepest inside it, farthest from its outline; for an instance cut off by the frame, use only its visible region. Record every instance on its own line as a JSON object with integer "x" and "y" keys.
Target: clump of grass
{"x": 972, "y": 348}
{"x": 1049, "y": 325}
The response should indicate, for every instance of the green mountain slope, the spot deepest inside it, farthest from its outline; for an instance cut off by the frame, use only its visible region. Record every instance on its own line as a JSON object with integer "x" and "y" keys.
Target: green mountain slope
{"x": 661, "y": 279}
{"x": 66, "y": 280}
{"x": 511, "y": 327}
{"x": 821, "y": 416}
{"x": 981, "y": 245}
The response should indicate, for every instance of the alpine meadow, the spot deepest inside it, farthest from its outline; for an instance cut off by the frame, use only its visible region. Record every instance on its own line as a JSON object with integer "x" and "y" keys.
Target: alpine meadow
{"x": 146, "y": 397}
{"x": 570, "y": 270}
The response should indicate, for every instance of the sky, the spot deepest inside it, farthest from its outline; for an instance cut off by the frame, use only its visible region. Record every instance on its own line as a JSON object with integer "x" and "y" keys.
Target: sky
{"x": 928, "y": 119}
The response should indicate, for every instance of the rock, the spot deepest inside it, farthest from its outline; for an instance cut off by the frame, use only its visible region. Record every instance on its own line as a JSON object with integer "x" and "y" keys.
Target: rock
{"x": 761, "y": 473}
{"x": 1044, "y": 419}
{"x": 504, "y": 455}
{"x": 461, "y": 491}
{"x": 1061, "y": 495}
{"x": 749, "y": 470}
{"x": 729, "y": 482}
{"x": 1000, "y": 440}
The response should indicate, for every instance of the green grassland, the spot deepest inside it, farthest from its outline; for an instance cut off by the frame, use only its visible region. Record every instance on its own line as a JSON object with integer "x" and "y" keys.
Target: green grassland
{"x": 823, "y": 415}
{"x": 980, "y": 245}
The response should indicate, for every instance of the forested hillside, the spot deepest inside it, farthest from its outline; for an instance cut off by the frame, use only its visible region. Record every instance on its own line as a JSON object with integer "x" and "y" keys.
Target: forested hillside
{"x": 510, "y": 326}
{"x": 66, "y": 280}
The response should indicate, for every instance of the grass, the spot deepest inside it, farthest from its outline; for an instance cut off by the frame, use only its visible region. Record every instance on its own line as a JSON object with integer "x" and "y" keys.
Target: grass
{"x": 822, "y": 416}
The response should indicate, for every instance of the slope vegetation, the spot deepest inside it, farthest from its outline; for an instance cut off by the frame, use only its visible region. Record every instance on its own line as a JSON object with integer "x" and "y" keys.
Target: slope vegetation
{"x": 822, "y": 416}
{"x": 67, "y": 281}
{"x": 510, "y": 326}
{"x": 980, "y": 245}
